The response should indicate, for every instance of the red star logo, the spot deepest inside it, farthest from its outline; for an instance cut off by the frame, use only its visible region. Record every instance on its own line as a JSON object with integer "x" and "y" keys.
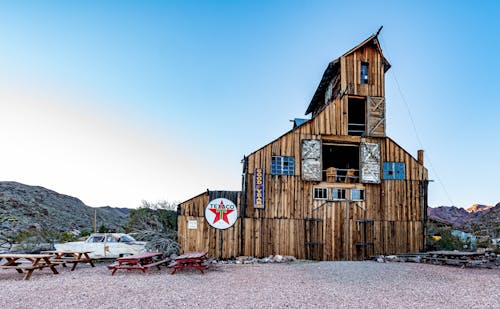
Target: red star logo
{"x": 221, "y": 213}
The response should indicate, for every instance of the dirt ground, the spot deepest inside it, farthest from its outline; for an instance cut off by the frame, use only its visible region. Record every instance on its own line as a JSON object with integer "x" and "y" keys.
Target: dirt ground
{"x": 294, "y": 285}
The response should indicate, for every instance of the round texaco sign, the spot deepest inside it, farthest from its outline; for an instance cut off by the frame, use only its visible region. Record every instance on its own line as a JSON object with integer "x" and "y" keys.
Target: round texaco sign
{"x": 221, "y": 213}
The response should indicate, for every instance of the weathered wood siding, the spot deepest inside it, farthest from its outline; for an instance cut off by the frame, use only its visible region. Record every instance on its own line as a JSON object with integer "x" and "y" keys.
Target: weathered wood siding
{"x": 218, "y": 243}
{"x": 350, "y": 66}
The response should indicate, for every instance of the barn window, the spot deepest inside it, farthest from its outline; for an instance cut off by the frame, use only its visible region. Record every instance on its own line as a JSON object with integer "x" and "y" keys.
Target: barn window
{"x": 357, "y": 194}
{"x": 320, "y": 194}
{"x": 363, "y": 78}
{"x": 338, "y": 194}
{"x": 282, "y": 165}
{"x": 394, "y": 170}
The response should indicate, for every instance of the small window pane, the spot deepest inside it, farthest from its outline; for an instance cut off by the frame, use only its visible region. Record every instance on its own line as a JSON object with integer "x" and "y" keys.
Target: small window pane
{"x": 364, "y": 73}
{"x": 282, "y": 165}
{"x": 320, "y": 194}
{"x": 338, "y": 194}
{"x": 357, "y": 194}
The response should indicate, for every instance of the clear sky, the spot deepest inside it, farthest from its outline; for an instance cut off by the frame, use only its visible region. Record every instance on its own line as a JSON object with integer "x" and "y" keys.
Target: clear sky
{"x": 118, "y": 101}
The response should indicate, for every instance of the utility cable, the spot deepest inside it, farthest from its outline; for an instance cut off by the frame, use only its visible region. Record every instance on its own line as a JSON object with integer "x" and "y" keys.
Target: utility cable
{"x": 415, "y": 131}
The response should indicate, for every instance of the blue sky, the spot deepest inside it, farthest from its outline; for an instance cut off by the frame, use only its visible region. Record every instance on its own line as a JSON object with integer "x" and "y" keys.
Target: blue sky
{"x": 118, "y": 101}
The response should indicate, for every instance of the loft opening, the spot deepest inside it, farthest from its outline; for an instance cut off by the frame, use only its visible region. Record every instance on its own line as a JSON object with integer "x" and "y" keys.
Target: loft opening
{"x": 356, "y": 116}
{"x": 340, "y": 162}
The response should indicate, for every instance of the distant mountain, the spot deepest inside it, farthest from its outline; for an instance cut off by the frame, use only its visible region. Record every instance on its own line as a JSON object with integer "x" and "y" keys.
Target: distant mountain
{"x": 480, "y": 219}
{"x": 478, "y": 208}
{"x": 487, "y": 224}
{"x": 451, "y": 214}
{"x": 27, "y": 206}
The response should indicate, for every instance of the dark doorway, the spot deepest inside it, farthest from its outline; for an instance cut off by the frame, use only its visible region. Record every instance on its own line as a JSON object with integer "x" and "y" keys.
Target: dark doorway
{"x": 340, "y": 162}
{"x": 356, "y": 117}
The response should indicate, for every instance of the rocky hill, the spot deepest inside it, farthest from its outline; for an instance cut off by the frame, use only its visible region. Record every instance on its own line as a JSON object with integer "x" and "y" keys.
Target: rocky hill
{"x": 480, "y": 219}
{"x": 451, "y": 214}
{"x": 24, "y": 206}
{"x": 487, "y": 224}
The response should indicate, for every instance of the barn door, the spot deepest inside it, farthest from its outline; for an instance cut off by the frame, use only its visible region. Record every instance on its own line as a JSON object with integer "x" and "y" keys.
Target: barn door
{"x": 313, "y": 238}
{"x": 376, "y": 116}
{"x": 369, "y": 163}
{"x": 311, "y": 160}
{"x": 364, "y": 238}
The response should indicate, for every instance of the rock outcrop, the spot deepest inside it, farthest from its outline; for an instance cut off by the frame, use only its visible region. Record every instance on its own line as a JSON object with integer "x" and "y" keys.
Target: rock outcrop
{"x": 23, "y": 206}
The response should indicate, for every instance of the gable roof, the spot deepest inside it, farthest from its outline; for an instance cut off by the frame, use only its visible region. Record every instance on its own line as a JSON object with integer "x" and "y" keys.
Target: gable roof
{"x": 333, "y": 68}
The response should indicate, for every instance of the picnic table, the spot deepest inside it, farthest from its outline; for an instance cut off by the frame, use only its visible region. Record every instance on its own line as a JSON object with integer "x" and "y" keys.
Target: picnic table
{"x": 139, "y": 261}
{"x": 27, "y": 262}
{"x": 194, "y": 259}
{"x": 68, "y": 256}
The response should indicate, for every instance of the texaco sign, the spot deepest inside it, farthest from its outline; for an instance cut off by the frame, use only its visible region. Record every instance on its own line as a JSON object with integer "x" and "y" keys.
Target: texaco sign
{"x": 221, "y": 213}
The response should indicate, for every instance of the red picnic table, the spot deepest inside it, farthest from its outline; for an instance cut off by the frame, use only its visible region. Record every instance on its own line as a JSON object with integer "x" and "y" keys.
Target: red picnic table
{"x": 140, "y": 261}
{"x": 194, "y": 259}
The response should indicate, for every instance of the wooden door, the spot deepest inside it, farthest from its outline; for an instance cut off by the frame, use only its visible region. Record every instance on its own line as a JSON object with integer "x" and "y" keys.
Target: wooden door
{"x": 313, "y": 239}
{"x": 375, "y": 116}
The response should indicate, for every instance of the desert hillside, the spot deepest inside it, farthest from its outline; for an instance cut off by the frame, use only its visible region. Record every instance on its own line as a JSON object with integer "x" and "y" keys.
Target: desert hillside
{"x": 24, "y": 206}
{"x": 480, "y": 219}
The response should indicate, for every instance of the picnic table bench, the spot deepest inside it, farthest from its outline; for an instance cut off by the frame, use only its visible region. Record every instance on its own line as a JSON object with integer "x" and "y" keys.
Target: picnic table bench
{"x": 195, "y": 259}
{"x": 27, "y": 262}
{"x": 140, "y": 261}
{"x": 67, "y": 256}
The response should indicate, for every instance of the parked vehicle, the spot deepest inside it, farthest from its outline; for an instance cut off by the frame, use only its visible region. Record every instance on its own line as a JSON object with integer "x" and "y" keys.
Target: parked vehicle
{"x": 106, "y": 245}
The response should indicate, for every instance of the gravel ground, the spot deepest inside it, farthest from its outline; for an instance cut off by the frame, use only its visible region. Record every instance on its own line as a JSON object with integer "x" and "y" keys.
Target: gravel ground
{"x": 295, "y": 285}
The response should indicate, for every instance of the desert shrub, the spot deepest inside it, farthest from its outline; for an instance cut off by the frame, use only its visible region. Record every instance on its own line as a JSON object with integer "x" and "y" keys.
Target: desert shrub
{"x": 34, "y": 240}
{"x": 155, "y": 223}
{"x": 450, "y": 242}
{"x": 102, "y": 229}
{"x": 66, "y": 237}
{"x": 85, "y": 233}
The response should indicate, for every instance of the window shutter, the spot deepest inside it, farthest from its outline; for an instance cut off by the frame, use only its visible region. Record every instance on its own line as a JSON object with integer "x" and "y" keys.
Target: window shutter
{"x": 370, "y": 163}
{"x": 376, "y": 116}
{"x": 311, "y": 160}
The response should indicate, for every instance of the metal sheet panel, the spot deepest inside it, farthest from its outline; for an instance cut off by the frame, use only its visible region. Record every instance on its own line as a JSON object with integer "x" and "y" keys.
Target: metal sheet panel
{"x": 311, "y": 160}
{"x": 370, "y": 163}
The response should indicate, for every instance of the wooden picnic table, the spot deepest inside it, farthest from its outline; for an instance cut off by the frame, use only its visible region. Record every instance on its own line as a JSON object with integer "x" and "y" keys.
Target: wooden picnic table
{"x": 139, "y": 261}
{"x": 194, "y": 259}
{"x": 68, "y": 256}
{"x": 26, "y": 262}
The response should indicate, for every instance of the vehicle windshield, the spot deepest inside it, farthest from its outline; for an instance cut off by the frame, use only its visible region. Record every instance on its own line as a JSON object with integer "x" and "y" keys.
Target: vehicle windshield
{"x": 96, "y": 238}
{"x": 126, "y": 238}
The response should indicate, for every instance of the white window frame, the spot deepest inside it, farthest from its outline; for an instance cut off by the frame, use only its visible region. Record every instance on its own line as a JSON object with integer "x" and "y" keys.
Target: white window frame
{"x": 325, "y": 190}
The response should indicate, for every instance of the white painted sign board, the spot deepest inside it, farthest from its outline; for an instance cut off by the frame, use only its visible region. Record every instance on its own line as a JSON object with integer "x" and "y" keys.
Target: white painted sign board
{"x": 192, "y": 225}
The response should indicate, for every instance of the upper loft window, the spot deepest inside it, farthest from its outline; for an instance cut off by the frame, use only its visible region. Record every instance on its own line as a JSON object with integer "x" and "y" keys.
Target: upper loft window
{"x": 282, "y": 165}
{"x": 340, "y": 162}
{"x": 363, "y": 78}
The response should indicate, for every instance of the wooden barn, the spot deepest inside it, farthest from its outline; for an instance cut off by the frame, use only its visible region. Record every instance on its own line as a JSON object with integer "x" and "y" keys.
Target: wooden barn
{"x": 334, "y": 187}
